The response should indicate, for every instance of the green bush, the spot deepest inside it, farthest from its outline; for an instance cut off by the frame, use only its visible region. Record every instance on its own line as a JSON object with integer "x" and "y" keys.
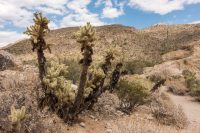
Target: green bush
{"x": 154, "y": 78}
{"x": 132, "y": 94}
{"x": 136, "y": 66}
{"x": 74, "y": 69}
{"x": 190, "y": 78}
{"x": 192, "y": 83}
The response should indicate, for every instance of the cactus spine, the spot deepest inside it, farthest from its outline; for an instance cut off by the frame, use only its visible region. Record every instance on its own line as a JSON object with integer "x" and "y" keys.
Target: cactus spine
{"x": 37, "y": 33}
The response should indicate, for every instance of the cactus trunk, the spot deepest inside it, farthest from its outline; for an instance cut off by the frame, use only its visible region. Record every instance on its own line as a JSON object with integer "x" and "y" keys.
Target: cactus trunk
{"x": 83, "y": 78}
{"x": 79, "y": 97}
{"x": 41, "y": 64}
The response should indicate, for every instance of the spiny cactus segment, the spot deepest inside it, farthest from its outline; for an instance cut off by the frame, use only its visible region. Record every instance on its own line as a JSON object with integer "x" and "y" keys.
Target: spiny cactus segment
{"x": 56, "y": 82}
{"x": 38, "y": 31}
{"x": 16, "y": 116}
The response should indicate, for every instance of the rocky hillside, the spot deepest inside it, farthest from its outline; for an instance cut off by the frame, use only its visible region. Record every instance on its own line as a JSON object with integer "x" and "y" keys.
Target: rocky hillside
{"x": 147, "y": 43}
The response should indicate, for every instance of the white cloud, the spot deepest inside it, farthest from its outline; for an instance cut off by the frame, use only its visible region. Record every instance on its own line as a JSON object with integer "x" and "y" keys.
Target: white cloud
{"x": 7, "y": 37}
{"x": 81, "y": 19}
{"x": 80, "y": 14}
{"x": 195, "y": 22}
{"x": 161, "y": 7}
{"x": 19, "y": 13}
{"x": 112, "y": 9}
{"x": 9, "y": 12}
{"x": 79, "y": 6}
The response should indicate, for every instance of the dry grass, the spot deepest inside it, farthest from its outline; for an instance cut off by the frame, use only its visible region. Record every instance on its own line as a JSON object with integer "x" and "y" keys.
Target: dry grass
{"x": 139, "y": 125}
{"x": 167, "y": 113}
{"x": 177, "y": 86}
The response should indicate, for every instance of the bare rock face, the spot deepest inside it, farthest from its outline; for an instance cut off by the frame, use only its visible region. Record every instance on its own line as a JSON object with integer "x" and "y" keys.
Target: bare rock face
{"x": 8, "y": 61}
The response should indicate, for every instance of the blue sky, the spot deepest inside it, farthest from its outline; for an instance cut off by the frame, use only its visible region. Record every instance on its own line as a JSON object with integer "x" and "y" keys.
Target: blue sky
{"x": 16, "y": 15}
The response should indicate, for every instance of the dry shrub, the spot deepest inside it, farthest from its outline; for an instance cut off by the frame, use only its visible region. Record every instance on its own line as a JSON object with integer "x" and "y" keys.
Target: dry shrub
{"x": 166, "y": 112}
{"x": 139, "y": 125}
{"x": 106, "y": 107}
{"x": 176, "y": 86}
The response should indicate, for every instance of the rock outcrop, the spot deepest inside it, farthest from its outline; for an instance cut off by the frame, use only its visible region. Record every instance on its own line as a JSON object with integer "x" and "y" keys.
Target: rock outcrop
{"x": 7, "y": 61}
{"x": 173, "y": 68}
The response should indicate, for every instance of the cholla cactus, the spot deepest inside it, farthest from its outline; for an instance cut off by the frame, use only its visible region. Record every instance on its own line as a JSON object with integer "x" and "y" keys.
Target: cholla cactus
{"x": 86, "y": 37}
{"x": 56, "y": 82}
{"x": 97, "y": 75}
{"x": 115, "y": 76}
{"x": 37, "y": 33}
{"x": 16, "y": 116}
{"x": 108, "y": 58}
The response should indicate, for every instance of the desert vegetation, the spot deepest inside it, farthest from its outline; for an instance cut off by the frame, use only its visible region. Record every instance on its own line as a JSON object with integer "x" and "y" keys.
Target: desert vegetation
{"x": 96, "y": 78}
{"x": 59, "y": 94}
{"x": 192, "y": 83}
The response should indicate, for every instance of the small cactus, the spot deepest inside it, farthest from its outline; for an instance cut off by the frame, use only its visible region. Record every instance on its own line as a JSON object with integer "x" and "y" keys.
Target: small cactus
{"x": 16, "y": 116}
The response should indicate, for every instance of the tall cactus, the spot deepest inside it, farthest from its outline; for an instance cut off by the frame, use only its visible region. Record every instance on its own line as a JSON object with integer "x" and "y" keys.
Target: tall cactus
{"x": 86, "y": 37}
{"x": 37, "y": 33}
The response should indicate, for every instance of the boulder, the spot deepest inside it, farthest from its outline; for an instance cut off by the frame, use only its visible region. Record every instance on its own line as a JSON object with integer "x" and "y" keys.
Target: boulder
{"x": 8, "y": 61}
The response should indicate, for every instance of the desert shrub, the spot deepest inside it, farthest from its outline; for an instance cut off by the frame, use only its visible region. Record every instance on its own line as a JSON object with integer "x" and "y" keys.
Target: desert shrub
{"x": 166, "y": 112}
{"x": 190, "y": 78}
{"x": 132, "y": 94}
{"x": 74, "y": 69}
{"x": 154, "y": 78}
{"x": 177, "y": 86}
{"x": 192, "y": 83}
{"x": 136, "y": 66}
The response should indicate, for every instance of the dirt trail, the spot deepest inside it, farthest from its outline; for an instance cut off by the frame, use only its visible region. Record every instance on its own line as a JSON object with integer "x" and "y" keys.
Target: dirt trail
{"x": 191, "y": 109}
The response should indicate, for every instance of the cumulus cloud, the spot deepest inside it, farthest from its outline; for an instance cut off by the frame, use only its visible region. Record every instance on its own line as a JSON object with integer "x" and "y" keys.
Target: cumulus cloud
{"x": 80, "y": 14}
{"x": 79, "y": 20}
{"x": 7, "y": 37}
{"x": 18, "y": 14}
{"x": 112, "y": 9}
{"x": 161, "y": 7}
{"x": 195, "y": 22}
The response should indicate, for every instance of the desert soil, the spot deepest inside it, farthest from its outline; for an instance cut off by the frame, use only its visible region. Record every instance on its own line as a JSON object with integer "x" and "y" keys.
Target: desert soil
{"x": 190, "y": 107}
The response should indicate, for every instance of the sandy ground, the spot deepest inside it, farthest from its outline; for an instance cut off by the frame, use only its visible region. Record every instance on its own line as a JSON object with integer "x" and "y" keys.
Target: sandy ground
{"x": 191, "y": 108}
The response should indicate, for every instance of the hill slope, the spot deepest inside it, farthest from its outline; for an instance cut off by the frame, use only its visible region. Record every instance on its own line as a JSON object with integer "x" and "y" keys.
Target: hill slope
{"x": 146, "y": 44}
